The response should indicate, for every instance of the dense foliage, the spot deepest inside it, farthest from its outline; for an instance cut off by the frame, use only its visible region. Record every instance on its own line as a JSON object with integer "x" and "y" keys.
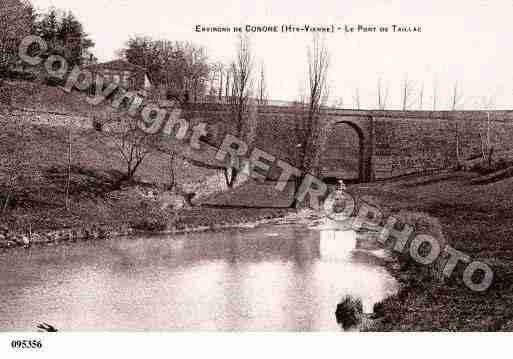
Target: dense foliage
{"x": 181, "y": 68}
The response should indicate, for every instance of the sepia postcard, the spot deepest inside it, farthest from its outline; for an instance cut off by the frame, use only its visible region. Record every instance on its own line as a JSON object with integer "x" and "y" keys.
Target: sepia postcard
{"x": 254, "y": 166}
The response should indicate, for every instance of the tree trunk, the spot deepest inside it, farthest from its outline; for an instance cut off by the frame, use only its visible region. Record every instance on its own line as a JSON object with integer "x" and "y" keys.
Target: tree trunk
{"x": 297, "y": 184}
{"x": 129, "y": 173}
{"x": 458, "y": 157}
{"x": 172, "y": 176}
{"x": 132, "y": 170}
{"x": 221, "y": 87}
{"x": 69, "y": 171}
{"x": 230, "y": 180}
{"x": 6, "y": 203}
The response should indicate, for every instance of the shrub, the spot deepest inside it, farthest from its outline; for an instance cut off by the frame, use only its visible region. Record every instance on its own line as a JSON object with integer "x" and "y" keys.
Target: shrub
{"x": 349, "y": 312}
{"x": 152, "y": 219}
{"x": 422, "y": 223}
{"x": 53, "y": 81}
{"x": 373, "y": 201}
{"x": 97, "y": 125}
{"x": 21, "y": 75}
{"x": 141, "y": 213}
{"x": 484, "y": 168}
{"x": 378, "y": 309}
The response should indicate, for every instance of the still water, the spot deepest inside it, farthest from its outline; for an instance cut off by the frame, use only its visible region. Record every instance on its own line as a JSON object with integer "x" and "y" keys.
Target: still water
{"x": 273, "y": 277}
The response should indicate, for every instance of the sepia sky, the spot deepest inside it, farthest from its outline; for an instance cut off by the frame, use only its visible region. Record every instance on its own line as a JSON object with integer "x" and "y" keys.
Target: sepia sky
{"x": 468, "y": 42}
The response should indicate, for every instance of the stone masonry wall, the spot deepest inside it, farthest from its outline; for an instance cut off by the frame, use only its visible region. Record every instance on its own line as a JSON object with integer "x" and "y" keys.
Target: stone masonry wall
{"x": 413, "y": 145}
{"x": 404, "y": 142}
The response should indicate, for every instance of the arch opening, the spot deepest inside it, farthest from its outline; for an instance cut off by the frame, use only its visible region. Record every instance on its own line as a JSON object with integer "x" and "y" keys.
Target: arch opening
{"x": 344, "y": 155}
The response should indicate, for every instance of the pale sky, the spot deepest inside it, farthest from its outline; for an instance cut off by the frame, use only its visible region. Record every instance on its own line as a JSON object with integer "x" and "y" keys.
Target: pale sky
{"x": 468, "y": 42}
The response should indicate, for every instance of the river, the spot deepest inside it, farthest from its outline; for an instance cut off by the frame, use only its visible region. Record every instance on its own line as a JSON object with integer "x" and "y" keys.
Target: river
{"x": 272, "y": 277}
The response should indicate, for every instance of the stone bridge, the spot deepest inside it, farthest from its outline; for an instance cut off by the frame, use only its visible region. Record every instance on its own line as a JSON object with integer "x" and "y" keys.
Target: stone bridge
{"x": 388, "y": 143}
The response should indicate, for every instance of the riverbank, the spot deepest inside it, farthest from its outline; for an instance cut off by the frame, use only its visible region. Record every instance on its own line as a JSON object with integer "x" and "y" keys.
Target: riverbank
{"x": 475, "y": 219}
{"x": 191, "y": 220}
{"x": 44, "y": 199}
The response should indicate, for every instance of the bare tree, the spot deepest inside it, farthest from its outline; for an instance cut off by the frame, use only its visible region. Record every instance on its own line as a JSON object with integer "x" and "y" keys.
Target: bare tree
{"x": 262, "y": 86}
{"x": 456, "y": 97}
{"x": 212, "y": 77}
{"x": 487, "y": 147}
{"x": 382, "y": 96}
{"x": 421, "y": 96}
{"x": 227, "y": 82}
{"x": 318, "y": 64}
{"x": 242, "y": 84}
{"x": 68, "y": 181}
{"x": 133, "y": 144}
{"x": 356, "y": 99}
{"x": 313, "y": 139}
{"x": 221, "y": 78}
{"x": 406, "y": 94}
{"x": 172, "y": 170}
{"x": 241, "y": 92}
{"x": 435, "y": 93}
{"x": 455, "y": 101}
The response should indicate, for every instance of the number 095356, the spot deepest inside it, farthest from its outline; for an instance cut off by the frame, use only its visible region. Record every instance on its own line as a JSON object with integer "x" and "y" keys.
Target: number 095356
{"x": 26, "y": 344}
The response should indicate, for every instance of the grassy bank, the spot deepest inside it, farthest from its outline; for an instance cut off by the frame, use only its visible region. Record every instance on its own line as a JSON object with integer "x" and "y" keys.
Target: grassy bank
{"x": 33, "y": 189}
{"x": 476, "y": 219}
{"x": 34, "y": 177}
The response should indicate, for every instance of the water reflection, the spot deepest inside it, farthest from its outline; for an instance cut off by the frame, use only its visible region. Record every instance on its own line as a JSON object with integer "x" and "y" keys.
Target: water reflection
{"x": 337, "y": 245}
{"x": 232, "y": 280}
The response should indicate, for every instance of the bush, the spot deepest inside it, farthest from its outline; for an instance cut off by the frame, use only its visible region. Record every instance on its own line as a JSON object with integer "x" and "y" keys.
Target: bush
{"x": 53, "y": 81}
{"x": 349, "y": 312}
{"x": 374, "y": 201}
{"x": 21, "y": 75}
{"x": 378, "y": 309}
{"x": 97, "y": 125}
{"x": 502, "y": 164}
{"x": 141, "y": 213}
{"x": 484, "y": 168}
{"x": 422, "y": 223}
{"x": 152, "y": 219}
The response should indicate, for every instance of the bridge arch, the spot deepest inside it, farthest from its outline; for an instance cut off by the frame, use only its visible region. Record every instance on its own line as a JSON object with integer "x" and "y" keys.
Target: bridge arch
{"x": 363, "y": 127}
